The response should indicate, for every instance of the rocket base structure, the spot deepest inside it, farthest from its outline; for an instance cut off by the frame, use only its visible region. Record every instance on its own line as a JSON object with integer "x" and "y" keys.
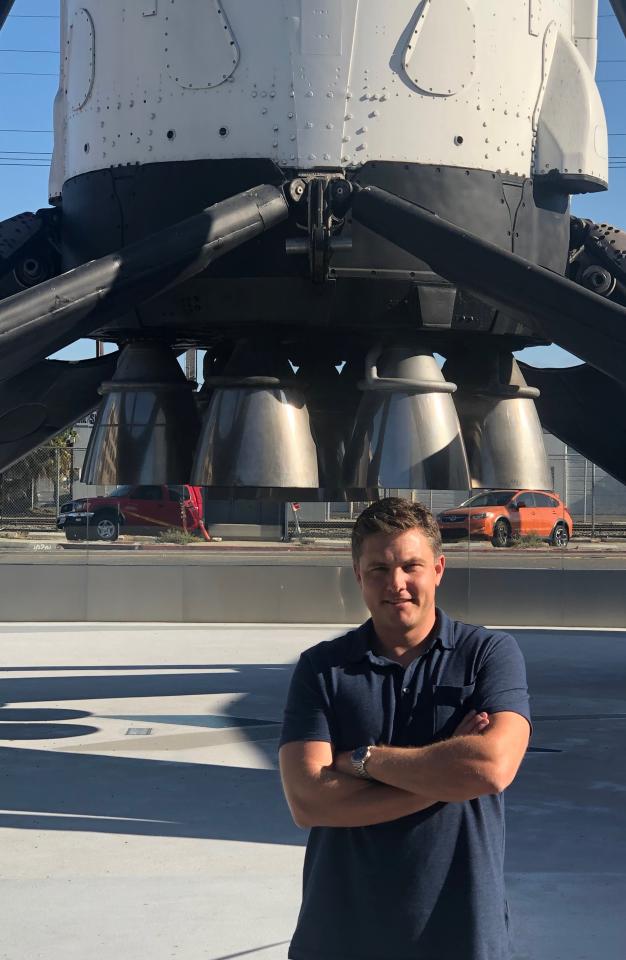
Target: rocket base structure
{"x": 415, "y": 188}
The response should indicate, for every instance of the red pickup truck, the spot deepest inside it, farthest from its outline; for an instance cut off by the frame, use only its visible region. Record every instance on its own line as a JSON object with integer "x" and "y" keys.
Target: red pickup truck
{"x": 133, "y": 509}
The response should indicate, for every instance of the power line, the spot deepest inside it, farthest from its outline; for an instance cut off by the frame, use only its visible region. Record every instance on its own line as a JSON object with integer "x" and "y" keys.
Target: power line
{"x": 44, "y": 152}
{"x": 33, "y": 16}
{"x": 15, "y": 50}
{"x": 10, "y": 163}
{"x": 25, "y": 73}
{"x": 11, "y": 130}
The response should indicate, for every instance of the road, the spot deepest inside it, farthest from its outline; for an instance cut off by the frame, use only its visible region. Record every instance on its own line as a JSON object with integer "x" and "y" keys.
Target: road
{"x": 479, "y": 556}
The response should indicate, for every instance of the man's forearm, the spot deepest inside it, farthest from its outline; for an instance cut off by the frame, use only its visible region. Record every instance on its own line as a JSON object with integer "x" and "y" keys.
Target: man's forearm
{"x": 458, "y": 769}
{"x": 339, "y": 800}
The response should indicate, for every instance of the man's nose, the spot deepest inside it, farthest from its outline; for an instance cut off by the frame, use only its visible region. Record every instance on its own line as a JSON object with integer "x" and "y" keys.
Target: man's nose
{"x": 397, "y": 580}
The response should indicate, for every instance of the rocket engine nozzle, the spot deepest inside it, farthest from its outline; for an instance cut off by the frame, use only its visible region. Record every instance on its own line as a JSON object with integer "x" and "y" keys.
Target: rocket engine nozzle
{"x": 407, "y": 433}
{"x": 499, "y": 423}
{"x": 147, "y": 425}
{"x": 256, "y": 436}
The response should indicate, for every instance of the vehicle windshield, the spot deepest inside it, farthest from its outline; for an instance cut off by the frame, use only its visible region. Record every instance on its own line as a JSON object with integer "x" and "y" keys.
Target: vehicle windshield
{"x": 495, "y": 498}
{"x": 122, "y": 491}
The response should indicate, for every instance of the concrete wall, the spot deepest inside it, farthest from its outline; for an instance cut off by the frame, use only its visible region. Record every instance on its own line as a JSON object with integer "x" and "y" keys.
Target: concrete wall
{"x": 264, "y": 593}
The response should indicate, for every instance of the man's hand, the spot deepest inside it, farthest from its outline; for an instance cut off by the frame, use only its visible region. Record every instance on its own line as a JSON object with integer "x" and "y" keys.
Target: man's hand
{"x": 472, "y": 723}
{"x": 461, "y": 768}
{"x": 319, "y": 796}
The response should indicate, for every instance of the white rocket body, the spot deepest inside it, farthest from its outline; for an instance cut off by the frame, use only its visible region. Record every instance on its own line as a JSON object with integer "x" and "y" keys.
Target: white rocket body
{"x": 498, "y": 85}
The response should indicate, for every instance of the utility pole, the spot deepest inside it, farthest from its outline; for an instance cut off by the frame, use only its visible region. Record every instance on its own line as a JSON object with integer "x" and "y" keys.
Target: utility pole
{"x": 191, "y": 364}
{"x": 57, "y": 490}
{"x": 593, "y": 500}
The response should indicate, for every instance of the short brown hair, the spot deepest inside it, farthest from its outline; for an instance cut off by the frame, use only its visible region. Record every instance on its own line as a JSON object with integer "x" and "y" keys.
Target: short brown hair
{"x": 393, "y": 515}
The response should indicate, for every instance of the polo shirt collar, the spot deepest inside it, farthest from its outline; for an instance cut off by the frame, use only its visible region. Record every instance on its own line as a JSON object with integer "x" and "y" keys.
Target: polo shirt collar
{"x": 364, "y": 636}
{"x": 445, "y": 630}
{"x": 361, "y": 641}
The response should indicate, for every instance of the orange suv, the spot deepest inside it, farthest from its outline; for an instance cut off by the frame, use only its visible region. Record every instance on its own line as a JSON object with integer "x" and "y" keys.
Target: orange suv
{"x": 504, "y": 515}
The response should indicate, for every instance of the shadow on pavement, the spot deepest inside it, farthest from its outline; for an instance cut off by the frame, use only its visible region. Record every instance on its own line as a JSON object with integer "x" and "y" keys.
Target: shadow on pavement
{"x": 51, "y": 790}
{"x": 264, "y": 684}
{"x": 55, "y": 790}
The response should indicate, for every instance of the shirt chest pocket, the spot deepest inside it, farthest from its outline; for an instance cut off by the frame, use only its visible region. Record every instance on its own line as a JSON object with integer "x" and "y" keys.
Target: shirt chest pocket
{"x": 450, "y": 704}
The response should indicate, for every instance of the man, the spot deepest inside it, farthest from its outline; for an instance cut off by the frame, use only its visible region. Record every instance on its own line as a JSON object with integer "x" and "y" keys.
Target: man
{"x": 399, "y": 738}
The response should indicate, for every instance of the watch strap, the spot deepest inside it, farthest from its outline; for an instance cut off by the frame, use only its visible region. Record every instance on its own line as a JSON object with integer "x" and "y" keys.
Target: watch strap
{"x": 359, "y": 758}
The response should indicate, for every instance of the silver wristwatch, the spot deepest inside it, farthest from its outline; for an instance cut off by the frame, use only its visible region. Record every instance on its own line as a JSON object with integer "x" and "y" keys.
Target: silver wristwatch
{"x": 359, "y": 758}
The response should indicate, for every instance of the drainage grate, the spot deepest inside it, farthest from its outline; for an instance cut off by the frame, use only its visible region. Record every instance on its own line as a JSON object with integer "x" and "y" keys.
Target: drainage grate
{"x": 138, "y": 731}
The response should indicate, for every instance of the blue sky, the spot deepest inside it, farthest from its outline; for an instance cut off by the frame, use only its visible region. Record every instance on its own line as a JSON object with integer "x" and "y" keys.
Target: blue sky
{"x": 29, "y": 46}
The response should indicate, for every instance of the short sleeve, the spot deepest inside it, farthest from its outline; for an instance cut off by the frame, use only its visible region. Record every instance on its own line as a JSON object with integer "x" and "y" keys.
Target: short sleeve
{"x": 501, "y": 682}
{"x": 306, "y": 714}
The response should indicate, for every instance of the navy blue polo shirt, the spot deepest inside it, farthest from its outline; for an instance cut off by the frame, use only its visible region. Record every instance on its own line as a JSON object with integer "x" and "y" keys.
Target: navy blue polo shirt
{"x": 428, "y": 886}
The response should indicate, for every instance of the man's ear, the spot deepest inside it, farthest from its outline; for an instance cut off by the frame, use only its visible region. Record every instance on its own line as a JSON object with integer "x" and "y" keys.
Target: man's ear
{"x": 440, "y": 566}
{"x": 357, "y": 573}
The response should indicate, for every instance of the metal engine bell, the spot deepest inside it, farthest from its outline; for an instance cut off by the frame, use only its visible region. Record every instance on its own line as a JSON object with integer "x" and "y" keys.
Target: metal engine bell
{"x": 499, "y": 423}
{"x": 407, "y": 432}
{"x": 147, "y": 425}
{"x": 256, "y": 437}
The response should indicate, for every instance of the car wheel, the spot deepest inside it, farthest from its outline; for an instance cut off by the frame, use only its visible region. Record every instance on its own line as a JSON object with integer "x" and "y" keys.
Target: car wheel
{"x": 560, "y": 536}
{"x": 501, "y": 534}
{"x": 106, "y": 527}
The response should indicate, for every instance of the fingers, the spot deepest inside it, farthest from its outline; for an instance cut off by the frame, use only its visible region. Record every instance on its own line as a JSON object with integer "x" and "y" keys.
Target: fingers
{"x": 462, "y": 728}
{"x": 481, "y": 723}
{"x": 472, "y": 723}
{"x": 466, "y": 723}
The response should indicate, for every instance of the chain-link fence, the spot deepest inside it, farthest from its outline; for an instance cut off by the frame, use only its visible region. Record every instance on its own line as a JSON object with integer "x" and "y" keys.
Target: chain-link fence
{"x": 34, "y": 489}
{"x": 596, "y": 501}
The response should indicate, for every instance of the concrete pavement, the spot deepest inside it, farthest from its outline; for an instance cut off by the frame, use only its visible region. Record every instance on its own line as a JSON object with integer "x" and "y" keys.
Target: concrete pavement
{"x": 141, "y": 813}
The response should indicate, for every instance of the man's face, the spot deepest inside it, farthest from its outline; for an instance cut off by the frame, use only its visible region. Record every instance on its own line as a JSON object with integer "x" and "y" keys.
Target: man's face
{"x": 398, "y": 575}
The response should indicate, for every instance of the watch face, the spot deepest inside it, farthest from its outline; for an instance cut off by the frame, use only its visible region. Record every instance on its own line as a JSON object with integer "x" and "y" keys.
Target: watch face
{"x": 360, "y": 754}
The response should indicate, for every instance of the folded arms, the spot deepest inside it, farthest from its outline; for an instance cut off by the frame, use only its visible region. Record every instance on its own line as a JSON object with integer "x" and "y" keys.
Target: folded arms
{"x": 481, "y": 758}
